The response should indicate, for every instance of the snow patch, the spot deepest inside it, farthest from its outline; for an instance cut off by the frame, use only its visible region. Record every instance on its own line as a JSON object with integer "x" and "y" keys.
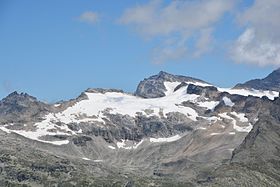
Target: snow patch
{"x": 241, "y": 118}
{"x": 212, "y": 119}
{"x": 170, "y": 86}
{"x": 170, "y": 139}
{"x": 243, "y": 129}
{"x": 5, "y": 130}
{"x": 201, "y": 128}
{"x": 199, "y": 84}
{"x": 97, "y": 161}
{"x": 45, "y": 128}
{"x": 228, "y": 102}
{"x": 111, "y": 147}
{"x": 215, "y": 133}
{"x": 122, "y": 145}
{"x": 34, "y": 135}
{"x": 253, "y": 92}
{"x": 208, "y": 104}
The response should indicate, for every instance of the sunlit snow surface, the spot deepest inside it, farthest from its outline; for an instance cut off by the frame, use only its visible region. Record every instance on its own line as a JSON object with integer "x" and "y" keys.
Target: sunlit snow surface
{"x": 253, "y": 92}
{"x": 125, "y": 104}
{"x": 241, "y": 117}
{"x": 227, "y": 101}
{"x": 169, "y": 139}
{"x": 123, "y": 145}
{"x": 94, "y": 108}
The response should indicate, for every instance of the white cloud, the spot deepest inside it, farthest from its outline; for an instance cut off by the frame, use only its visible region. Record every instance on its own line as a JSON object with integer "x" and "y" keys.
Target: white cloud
{"x": 251, "y": 49}
{"x": 182, "y": 19}
{"x": 165, "y": 53}
{"x": 203, "y": 43}
{"x": 89, "y": 17}
{"x": 260, "y": 42}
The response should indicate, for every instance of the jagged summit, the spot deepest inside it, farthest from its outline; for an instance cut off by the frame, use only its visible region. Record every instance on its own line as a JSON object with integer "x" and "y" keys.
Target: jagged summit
{"x": 103, "y": 90}
{"x": 21, "y": 106}
{"x": 153, "y": 87}
{"x": 271, "y": 82}
{"x": 15, "y": 96}
{"x": 162, "y": 75}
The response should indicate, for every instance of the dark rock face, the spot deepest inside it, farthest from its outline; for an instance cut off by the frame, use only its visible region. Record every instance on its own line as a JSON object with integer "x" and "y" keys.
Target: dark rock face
{"x": 127, "y": 128}
{"x": 207, "y": 91}
{"x": 81, "y": 140}
{"x": 183, "y": 84}
{"x": 153, "y": 87}
{"x": 21, "y": 107}
{"x": 271, "y": 82}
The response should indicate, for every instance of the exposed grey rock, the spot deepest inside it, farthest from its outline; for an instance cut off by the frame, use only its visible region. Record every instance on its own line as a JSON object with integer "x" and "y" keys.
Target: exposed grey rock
{"x": 256, "y": 162}
{"x": 207, "y": 91}
{"x": 93, "y": 157}
{"x": 153, "y": 86}
{"x": 271, "y": 82}
{"x": 20, "y": 108}
{"x": 81, "y": 140}
{"x": 102, "y": 90}
{"x": 183, "y": 84}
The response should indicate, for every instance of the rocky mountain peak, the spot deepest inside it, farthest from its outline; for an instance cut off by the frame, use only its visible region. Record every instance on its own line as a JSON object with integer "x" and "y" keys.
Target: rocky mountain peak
{"x": 185, "y": 133}
{"x": 16, "y": 97}
{"x": 271, "y": 82}
{"x": 17, "y": 106}
{"x": 103, "y": 90}
{"x": 153, "y": 87}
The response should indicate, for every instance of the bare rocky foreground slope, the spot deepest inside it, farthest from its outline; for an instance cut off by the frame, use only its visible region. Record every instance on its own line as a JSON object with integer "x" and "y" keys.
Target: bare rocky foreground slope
{"x": 174, "y": 131}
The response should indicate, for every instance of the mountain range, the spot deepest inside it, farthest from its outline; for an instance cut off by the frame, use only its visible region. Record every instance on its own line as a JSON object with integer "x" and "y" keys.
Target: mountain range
{"x": 173, "y": 131}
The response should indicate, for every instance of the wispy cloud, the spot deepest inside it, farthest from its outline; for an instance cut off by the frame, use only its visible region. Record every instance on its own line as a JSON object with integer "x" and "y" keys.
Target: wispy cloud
{"x": 260, "y": 42}
{"x": 176, "y": 25}
{"x": 89, "y": 17}
{"x": 7, "y": 86}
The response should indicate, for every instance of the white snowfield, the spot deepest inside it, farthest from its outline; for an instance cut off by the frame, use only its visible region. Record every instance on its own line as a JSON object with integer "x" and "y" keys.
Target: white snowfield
{"x": 93, "y": 109}
{"x": 43, "y": 129}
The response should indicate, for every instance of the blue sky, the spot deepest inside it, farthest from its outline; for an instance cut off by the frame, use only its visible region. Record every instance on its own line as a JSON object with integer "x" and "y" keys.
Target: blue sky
{"x": 56, "y": 49}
